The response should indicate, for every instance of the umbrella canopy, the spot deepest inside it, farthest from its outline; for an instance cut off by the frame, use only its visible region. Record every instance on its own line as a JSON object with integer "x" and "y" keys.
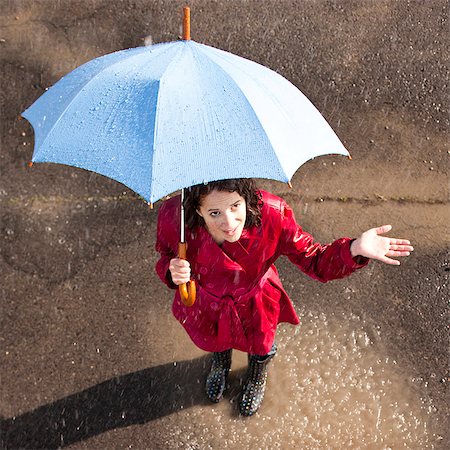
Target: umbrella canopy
{"x": 172, "y": 115}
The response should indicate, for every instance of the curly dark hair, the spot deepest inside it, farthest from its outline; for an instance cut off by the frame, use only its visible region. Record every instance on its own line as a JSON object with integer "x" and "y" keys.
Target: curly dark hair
{"x": 245, "y": 187}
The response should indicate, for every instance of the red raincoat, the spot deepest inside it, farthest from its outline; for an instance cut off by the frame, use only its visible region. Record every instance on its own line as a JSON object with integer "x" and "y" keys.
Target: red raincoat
{"x": 240, "y": 298}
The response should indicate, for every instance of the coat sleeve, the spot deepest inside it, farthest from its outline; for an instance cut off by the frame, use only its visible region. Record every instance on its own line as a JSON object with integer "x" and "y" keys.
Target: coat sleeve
{"x": 321, "y": 262}
{"x": 166, "y": 244}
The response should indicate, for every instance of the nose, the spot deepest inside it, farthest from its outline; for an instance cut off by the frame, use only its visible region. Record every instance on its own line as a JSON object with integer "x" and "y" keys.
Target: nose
{"x": 228, "y": 220}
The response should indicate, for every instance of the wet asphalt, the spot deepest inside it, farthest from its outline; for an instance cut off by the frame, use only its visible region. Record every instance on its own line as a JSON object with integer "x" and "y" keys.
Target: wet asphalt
{"x": 88, "y": 347}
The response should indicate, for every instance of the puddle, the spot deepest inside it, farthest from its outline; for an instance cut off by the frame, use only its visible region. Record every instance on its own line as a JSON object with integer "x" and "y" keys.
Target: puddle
{"x": 330, "y": 386}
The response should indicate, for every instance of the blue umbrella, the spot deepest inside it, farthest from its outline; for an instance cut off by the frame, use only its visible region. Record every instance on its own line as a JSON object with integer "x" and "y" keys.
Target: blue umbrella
{"x": 168, "y": 116}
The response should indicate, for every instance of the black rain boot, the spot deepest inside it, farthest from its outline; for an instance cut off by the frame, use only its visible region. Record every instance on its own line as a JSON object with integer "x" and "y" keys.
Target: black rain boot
{"x": 217, "y": 377}
{"x": 253, "y": 391}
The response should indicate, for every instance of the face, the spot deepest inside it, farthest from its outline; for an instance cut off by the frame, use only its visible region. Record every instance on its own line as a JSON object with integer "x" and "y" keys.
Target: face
{"x": 224, "y": 214}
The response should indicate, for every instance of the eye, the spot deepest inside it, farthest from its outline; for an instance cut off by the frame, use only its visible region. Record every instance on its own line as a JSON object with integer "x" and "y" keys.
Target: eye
{"x": 214, "y": 213}
{"x": 236, "y": 205}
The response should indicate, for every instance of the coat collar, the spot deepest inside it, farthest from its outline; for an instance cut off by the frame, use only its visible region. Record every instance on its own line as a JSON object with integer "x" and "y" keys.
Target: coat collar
{"x": 238, "y": 253}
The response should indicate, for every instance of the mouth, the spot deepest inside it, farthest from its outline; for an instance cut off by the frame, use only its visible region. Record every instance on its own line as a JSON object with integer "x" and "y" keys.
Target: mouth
{"x": 230, "y": 232}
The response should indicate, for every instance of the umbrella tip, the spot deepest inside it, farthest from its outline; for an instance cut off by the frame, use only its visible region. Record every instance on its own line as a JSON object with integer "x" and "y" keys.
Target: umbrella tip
{"x": 150, "y": 205}
{"x": 289, "y": 184}
{"x": 30, "y": 164}
{"x": 350, "y": 157}
{"x": 186, "y": 23}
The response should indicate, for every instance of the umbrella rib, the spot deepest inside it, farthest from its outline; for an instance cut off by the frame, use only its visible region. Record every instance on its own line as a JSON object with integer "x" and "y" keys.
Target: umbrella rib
{"x": 155, "y": 131}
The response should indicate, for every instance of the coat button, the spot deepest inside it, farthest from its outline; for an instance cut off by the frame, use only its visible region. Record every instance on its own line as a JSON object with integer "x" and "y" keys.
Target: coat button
{"x": 203, "y": 270}
{"x": 214, "y": 306}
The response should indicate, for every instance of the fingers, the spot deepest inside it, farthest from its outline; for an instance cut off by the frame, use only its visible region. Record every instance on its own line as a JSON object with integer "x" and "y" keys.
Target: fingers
{"x": 383, "y": 229}
{"x": 179, "y": 263}
{"x": 397, "y": 253}
{"x": 387, "y": 258}
{"x": 399, "y": 242}
{"x": 392, "y": 262}
{"x": 401, "y": 248}
{"x": 392, "y": 241}
{"x": 180, "y": 271}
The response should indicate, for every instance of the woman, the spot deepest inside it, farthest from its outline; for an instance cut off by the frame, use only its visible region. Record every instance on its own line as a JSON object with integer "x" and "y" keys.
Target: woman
{"x": 235, "y": 234}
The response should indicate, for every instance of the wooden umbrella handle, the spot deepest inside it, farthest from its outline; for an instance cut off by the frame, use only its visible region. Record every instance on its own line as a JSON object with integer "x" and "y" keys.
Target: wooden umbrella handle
{"x": 186, "y": 23}
{"x": 188, "y": 290}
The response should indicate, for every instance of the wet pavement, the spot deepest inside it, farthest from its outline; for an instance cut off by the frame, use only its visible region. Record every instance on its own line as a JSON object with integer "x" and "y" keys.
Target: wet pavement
{"x": 90, "y": 356}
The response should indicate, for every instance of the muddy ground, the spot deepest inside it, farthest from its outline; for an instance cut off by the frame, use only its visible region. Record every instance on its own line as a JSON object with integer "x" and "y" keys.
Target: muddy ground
{"x": 83, "y": 316}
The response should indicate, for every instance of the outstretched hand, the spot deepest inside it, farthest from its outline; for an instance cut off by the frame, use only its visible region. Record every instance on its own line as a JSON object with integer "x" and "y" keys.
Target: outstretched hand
{"x": 371, "y": 245}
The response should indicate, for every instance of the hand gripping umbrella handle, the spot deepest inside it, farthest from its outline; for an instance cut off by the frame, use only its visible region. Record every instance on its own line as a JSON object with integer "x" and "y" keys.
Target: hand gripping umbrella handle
{"x": 188, "y": 291}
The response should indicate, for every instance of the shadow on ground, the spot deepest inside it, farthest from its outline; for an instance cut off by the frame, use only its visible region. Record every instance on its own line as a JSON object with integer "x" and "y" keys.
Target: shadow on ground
{"x": 130, "y": 399}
